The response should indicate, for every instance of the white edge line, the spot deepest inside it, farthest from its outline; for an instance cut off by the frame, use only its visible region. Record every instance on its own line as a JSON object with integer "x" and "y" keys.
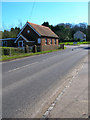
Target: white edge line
{"x": 22, "y": 67}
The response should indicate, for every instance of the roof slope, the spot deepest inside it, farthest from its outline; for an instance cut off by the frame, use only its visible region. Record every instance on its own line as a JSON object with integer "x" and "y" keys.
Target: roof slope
{"x": 43, "y": 31}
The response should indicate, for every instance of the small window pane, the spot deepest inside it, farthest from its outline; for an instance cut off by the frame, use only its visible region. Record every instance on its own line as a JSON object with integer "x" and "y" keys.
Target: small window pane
{"x": 28, "y": 31}
{"x": 51, "y": 41}
{"x": 46, "y": 41}
{"x": 5, "y": 43}
{"x": 55, "y": 41}
{"x": 39, "y": 40}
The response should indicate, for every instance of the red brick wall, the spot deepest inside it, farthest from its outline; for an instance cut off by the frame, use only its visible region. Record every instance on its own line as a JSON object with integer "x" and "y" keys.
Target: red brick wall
{"x": 49, "y": 46}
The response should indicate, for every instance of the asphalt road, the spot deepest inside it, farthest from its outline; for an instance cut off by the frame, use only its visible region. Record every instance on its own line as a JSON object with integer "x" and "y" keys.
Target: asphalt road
{"x": 27, "y": 82}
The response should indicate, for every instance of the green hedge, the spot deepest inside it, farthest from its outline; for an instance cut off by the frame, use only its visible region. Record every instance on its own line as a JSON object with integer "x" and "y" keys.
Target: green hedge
{"x": 7, "y": 58}
{"x": 10, "y": 51}
{"x": 72, "y": 43}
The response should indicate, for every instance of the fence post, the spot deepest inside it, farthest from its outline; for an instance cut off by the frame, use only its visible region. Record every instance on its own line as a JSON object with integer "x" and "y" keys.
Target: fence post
{"x": 34, "y": 48}
{"x": 26, "y": 49}
{"x": 62, "y": 46}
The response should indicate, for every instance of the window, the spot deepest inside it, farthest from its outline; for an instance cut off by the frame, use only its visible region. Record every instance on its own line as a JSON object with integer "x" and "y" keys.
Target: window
{"x": 46, "y": 41}
{"x": 28, "y": 31}
{"x": 5, "y": 43}
{"x": 51, "y": 41}
{"x": 55, "y": 41}
{"x": 39, "y": 40}
{"x": 2, "y": 43}
{"x": 20, "y": 43}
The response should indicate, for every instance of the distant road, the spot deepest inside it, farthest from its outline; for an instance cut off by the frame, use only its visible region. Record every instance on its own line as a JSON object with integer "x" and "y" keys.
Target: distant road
{"x": 27, "y": 82}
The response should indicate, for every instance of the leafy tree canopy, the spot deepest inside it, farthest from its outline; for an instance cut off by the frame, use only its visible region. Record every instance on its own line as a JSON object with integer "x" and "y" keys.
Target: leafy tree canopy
{"x": 65, "y": 31}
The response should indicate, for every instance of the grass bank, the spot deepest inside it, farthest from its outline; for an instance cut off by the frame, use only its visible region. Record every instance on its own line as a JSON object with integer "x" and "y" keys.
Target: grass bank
{"x": 75, "y": 43}
{"x": 7, "y": 58}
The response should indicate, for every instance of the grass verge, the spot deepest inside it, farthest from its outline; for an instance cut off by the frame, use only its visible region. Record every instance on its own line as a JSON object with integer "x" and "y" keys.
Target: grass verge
{"x": 77, "y": 43}
{"x": 7, "y": 58}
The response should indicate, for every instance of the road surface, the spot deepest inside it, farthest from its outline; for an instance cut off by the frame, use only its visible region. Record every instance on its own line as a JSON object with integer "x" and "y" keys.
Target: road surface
{"x": 73, "y": 102}
{"x": 28, "y": 83}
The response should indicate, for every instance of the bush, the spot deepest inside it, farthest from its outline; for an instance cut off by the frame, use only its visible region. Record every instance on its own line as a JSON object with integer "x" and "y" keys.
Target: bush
{"x": 6, "y": 51}
{"x": 10, "y": 51}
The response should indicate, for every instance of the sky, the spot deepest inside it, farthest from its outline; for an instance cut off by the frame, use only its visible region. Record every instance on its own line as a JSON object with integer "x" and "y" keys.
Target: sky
{"x": 14, "y": 13}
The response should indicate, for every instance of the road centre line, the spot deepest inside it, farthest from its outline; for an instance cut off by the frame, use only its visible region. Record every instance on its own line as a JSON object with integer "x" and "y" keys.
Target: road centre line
{"x": 22, "y": 67}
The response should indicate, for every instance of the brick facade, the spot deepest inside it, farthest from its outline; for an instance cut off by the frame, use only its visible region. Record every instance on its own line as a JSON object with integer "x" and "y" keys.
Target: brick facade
{"x": 50, "y": 45}
{"x": 49, "y": 40}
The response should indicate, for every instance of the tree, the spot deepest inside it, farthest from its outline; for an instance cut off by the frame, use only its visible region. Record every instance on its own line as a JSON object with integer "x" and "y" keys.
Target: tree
{"x": 64, "y": 31}
{"x": 5, "y": 34}
{"x": 46, "y": 24}
{"x": 12, "y": 33}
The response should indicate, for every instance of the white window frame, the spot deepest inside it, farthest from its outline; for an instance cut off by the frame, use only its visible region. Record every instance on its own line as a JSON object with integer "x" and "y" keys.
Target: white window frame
{"x": 39, "y": 40}
{"x": 19, "y": 42}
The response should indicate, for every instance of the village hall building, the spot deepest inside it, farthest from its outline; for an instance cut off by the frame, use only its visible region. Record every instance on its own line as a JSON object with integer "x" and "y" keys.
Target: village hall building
{"x": 32, "y": 34}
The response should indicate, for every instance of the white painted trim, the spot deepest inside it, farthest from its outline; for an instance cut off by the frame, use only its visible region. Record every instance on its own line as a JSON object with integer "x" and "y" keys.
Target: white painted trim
{"x": 22, "y": 29}
{"x": 30, "y": 27}
{"x": 31, "y": 41}
{"x": 33, "y": 29}
{"x": 19, "y": 42}
{"x": 22, "y": 37}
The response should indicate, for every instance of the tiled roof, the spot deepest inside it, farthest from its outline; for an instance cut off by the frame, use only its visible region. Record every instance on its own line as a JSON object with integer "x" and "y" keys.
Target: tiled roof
{"x": 43, "y": 31}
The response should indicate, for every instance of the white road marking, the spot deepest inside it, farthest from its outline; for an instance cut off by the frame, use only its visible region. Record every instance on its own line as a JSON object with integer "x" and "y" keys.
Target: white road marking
{"x": 18, "y": 59}
{"x": 22, "y": 67}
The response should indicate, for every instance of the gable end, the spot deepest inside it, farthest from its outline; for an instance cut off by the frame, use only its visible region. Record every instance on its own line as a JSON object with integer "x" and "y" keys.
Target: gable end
{"x": 30, "y": 27}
